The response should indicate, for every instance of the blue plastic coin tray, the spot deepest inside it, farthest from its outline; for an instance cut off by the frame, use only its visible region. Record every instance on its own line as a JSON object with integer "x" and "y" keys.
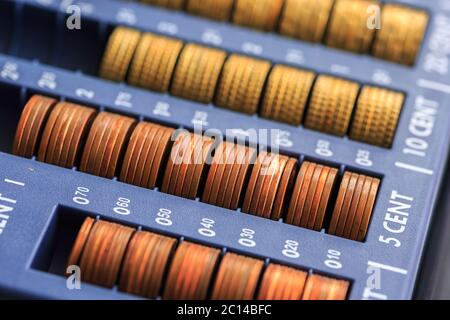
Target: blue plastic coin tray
{"x": 42, "y": 206}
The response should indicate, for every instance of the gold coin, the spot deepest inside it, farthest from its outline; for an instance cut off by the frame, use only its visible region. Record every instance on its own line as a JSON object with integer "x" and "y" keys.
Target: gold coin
{"x": 197, "y": 73}
{"x": 154, "y": 62}
{"x": 401, "y": 34}
{"x": 376, "y": 117}
{"x": 331, "y": 105}
{"x": 170, "y": 4}
{"x": 118, "y": 53}
{"x": 242, "y": 83}
{"x": 348, "y": 28}
{"x": 214, "y": 9}
{"x": 305, "y": 19}
{"x": 261, "y": 14}
{"x": 286, "y": 94}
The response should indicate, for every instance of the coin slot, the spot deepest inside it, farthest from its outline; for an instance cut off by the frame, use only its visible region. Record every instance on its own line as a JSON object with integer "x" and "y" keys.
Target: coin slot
{"x": 6, "y": 25}
{"x": 37, "y": 34}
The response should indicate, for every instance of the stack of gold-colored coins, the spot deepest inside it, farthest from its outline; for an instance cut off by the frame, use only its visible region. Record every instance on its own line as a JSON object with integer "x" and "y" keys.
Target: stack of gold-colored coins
{"x": 213, "y": 9}
{"x": 261, "y": 14}
{"x": 376, "y": 117}
{"x": 154, "y": 62}
{"x": 286, "y": 94}
{"x": 242, "y": 83}
{"x": 349, "y": 29}
{"x": 401, "y": 34}
{"x": 305, "y": 19}
{"x": 197, "y": 73}
{"x": 170, "y": 4}
{"x": 331, "y": 105}
{"x": 118, "y": 53}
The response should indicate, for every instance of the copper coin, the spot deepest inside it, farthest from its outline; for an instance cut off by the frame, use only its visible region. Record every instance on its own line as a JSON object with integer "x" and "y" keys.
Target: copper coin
{"x": 200, "y": 169}
{"x": 223, "y": 155}
{"x": 148, "y": 147}
{"x": 296, "y": 206}
{"x": 346, "y": 226}
{"x": 325, "y": 288}
{"x": 105, "y": 144}
{"x": 145, "y": 264}
{"x": 339, "y": 203}
{"x": 325, "y": 198}
{"x": 350, "y": 194}
{"x": 103, "y": 253}
{"x": 80, "y": 242}
{"x": 237, "y": 278}
{"x": 241, "y": 178}
{"x": 362, "y": 231}
{"x": 190, "y": 272}
{"x": 64, "y": 135}
{"x": 31, "y": 125}
{"x": 282, "y": 283}
{"x": 179, "y": 158}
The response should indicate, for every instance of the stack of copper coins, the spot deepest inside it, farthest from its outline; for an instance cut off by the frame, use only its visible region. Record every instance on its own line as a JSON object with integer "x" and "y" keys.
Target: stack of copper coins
{"x": 191, "y": 272}
{"x": 186, "y": 166}
{"x": 354, "y": 205}
{"x": 269, "y": 186}
{"x": 146, "y": 154}
{"x": 325, "y": 288}
{"x": 151, "y": 265}
{"x": 99, "y": 250}
{"x": 31, "y": 125}
{"x": 105, "y": 144}
{"x": 228, "y": 175}
{"x": 311, "y": 195}
{"x": 282, "y": 283}
{"x": 145, "y": 264}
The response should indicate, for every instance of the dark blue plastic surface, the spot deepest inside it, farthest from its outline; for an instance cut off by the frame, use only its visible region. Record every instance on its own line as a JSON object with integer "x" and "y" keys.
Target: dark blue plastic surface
{"x": 34, "y": 196}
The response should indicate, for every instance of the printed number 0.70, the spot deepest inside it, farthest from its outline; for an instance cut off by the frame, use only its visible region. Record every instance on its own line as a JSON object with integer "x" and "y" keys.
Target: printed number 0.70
{"x": 81, "y": 196}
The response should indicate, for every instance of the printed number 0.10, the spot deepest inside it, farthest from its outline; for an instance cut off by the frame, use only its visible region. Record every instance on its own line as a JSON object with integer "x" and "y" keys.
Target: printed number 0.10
{"x": 333, "y": 259}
